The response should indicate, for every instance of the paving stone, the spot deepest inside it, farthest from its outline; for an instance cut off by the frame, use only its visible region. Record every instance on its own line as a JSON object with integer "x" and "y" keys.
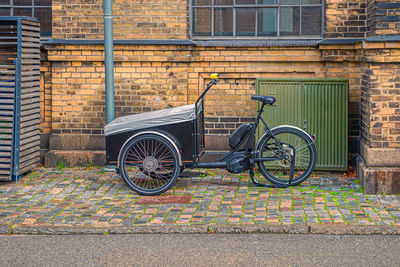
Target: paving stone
{"x": 90, "y": 197}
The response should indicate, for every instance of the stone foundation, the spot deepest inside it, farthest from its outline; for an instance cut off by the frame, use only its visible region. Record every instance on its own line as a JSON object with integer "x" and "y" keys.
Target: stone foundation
{"x": 379, "y": 169}
{"x": 378, "y": 180}
{"x": 75, "y": 158}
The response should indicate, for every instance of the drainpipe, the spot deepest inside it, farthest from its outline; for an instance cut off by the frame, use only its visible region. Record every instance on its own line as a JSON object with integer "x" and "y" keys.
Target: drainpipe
{"x": 109, "y": 59}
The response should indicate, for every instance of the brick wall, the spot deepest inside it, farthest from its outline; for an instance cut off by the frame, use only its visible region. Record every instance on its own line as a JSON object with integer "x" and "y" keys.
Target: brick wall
{"x": 163, "y": 19}
{"x": 156, "y": 77}
{"x": 387, "y": 17}
{"x": 345, "y": 18}
{"x": 365, "y": 102}
{"x": 45, "y": 94}
{"x": 240, "y": 67}
{"x": 383, "y": 17}
{"x": 379, "y": 161}
{"x": 381, "y": 98}
{"x": 146, "y": 78}
{"x": 134, "y": 19}
{"x": 370, "y": 21}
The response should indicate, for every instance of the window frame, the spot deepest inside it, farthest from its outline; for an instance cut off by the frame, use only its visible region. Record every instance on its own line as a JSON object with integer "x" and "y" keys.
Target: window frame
{"x": 32, "y": 7}
{"x": 256, "y": 6}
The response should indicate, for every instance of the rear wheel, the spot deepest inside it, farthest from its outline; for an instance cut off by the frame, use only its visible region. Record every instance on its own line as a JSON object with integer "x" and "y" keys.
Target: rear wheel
{"x": 149, "y": 164}
{"x": 294, "y": 142}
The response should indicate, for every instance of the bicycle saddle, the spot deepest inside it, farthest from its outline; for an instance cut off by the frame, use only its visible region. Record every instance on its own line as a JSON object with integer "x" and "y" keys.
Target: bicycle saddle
{"x": 264, "y": 99}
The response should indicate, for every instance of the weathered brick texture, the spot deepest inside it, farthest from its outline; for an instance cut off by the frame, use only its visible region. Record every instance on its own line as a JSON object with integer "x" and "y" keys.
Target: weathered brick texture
{"x": 387, "y": 17}
{"x": 156, "y": 77}
{"x": 162, "y": 19}
{"x": 146, "y": 78}
{"x": 370, "y": 19}
{"x": 345, "y": 18}
{"x": 379, "y": 161}
{"x": 134, "y": 19}
{"x": 383, "y": 17}
{"x": 380, "y": 108}
{"x": 45, "y": 95}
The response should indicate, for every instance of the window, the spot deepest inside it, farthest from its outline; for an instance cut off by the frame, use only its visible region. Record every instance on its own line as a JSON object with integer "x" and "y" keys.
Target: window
{"x": 40, "y": 9}
{"x": 256, "y": 18}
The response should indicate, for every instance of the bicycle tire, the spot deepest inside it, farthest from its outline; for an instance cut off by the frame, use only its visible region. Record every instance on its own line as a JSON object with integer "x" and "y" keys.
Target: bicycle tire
{"x": 149, "y": 164}
{"x": 278, "y": 171}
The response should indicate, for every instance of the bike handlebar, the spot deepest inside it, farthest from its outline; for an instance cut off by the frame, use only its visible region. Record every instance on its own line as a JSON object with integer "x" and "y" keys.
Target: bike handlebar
{"x": 214, "y": 80}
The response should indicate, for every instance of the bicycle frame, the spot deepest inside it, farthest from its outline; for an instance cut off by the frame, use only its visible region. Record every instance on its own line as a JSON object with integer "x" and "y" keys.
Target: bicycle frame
{"x": 222, "y": 162}
{"x": 175, "y": 149}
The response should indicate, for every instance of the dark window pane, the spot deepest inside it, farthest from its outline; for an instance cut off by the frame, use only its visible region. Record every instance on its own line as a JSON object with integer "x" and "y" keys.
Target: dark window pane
{"x": 202, "y": 2}
{"x": 5, "y": 11}
{"x": 311, "y": 2}
{"x": 44, "y": 17}
{"x": 245, "y": 21}
{"x": 4, "y": 2}
{"x": 311, "y": 21}
{"x": 223, "y": 2}
{"x": 289, "y": 21}
{"x": 267, "y": 21}
{"x": 290, "y": 2}
{"x": 22, "y": 3}
{"x": 267, "y": 2}
{"x": 245, "y": 2}
{"x": 223, "y": 22}
{"x": 27, "y": 12}
{"x": 202, "y": 21}
{"x": 42, "y": 2}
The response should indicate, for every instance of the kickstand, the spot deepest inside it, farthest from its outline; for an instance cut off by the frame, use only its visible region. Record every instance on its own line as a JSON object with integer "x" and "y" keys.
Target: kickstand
{"x": 251, "y": 173}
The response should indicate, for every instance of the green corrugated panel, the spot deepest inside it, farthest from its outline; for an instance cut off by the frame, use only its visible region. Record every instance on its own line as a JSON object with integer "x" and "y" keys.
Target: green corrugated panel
{"x": 325, "y": 114}
{"x": 315, "y": 105}
{"x": 287, "y": 107}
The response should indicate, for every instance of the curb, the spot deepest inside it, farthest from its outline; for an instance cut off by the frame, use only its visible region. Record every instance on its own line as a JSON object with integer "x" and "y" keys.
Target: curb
{"x": 204, "y": 229}
{"x": 57, "y": 230}
{"x": 354, "y": 230}
{"x": 161, "y": 229}
{"x": 5, "y": 230}
{"x": 259, "y": 229}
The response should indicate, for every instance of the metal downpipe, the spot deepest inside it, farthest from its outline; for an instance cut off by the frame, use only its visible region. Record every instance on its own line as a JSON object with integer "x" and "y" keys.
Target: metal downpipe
{"x": 109, "y": 60}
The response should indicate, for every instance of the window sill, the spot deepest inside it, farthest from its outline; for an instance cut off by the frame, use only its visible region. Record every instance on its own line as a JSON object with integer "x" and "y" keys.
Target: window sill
{"x": 257, "y": 42}
{"x": 118, "y": 42}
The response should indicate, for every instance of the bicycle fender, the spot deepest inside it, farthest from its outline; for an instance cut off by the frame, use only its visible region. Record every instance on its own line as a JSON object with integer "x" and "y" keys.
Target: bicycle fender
{"x": 155, "y": 133}
{"x": 286, "y": 126}
{"x": 291, "y": 126}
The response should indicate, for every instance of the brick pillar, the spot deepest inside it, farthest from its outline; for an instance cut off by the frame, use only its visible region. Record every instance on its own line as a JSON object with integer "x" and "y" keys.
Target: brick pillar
{"x": 387, "y": 17}
{"x": 378, "y": 166}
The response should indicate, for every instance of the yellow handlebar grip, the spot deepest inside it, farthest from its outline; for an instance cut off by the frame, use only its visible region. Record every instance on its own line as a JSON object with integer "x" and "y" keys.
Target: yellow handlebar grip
{"x": 214, "y": 76}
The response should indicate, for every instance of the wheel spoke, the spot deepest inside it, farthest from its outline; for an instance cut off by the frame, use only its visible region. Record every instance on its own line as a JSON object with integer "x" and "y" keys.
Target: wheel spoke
{"x": 165, "y": 153}
{"x": 149, "y": 166}
{"x": 278, "y": 171}
{"x": 134, "y": 152}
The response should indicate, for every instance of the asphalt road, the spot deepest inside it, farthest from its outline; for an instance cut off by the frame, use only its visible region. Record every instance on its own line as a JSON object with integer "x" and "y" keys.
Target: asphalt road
{"x": 199, "y": 250}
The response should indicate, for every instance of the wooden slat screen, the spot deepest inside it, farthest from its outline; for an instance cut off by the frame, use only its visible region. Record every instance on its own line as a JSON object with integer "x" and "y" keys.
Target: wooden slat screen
{"x": 19, "y": 101}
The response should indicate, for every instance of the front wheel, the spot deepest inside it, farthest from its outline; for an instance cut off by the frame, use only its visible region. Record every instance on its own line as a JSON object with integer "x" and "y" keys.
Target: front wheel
{"x": 293, "y": 142}
{"x": 149, "y": 164}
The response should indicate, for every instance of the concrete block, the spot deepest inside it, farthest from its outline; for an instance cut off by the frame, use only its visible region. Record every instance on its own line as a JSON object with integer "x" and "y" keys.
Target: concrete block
{"x": 75, "y": 158}
{"x": 378, "y": 180}
{"x": 379, "y": 157}
{"x": 77, "y": 142}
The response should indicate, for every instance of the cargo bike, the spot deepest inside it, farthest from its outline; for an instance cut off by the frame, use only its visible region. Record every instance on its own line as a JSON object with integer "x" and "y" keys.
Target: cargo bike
{"x": 151, "y": 149}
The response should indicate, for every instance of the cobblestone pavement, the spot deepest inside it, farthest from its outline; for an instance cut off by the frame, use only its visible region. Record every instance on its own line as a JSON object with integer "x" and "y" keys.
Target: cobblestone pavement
{"x": 92, "y": 197}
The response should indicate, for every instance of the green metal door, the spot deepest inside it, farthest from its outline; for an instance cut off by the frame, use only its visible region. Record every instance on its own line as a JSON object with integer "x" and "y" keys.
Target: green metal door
{"x": 315, "y": 105}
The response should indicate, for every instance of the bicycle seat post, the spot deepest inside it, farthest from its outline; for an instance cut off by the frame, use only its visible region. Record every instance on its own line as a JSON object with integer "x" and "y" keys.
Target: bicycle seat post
{"x": 260, "y": 111}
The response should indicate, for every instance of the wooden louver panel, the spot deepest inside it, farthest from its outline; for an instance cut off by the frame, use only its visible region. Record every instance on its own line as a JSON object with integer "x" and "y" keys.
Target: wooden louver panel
{"x": 19, "y": 96}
